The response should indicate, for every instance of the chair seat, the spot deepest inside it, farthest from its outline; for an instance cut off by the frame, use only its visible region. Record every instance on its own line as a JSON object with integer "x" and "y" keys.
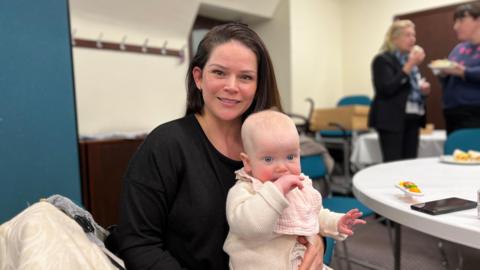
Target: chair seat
{"x": 335, "y": 133}
{"x": 344, "y": 204}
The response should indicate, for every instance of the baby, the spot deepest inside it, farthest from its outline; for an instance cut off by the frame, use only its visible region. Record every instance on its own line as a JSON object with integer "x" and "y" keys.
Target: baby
{"x": 272, "y": 203}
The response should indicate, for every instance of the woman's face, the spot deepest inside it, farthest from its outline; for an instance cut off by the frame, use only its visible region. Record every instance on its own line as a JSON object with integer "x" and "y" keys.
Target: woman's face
{"x": 228, "y": 81}
{"x": 406, "y": 40}
{"x": 466, "y": 27}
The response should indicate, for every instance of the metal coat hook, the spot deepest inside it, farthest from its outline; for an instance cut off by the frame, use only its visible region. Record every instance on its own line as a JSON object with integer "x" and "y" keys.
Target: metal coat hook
{"x": 144, "y": 46}
{"x": 122, "y": 44}
{"x": 181, "y": 53}
{"x": 164, "y": 48}
{"x": 99, "y": 40}
{"x": 73, "y": 36}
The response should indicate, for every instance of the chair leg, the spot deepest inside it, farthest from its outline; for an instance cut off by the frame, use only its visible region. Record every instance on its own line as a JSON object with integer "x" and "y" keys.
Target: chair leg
{"x": 445, "y": 261}
{"x": 365, "y": 264}
{"x": 443, "y": 254}
{"x": 390, "y": 232}
{"x": 347, "y": 256}
{"x": 349, "y": 261}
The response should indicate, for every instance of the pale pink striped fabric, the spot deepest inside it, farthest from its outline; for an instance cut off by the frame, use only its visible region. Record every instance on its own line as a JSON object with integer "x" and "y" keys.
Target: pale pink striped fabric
{"x": 301, "y": 216}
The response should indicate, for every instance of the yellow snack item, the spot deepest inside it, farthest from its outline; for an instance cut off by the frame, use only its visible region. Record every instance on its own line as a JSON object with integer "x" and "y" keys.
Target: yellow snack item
{"x": 417, "y": 48}
{"x": 460, "y": 155}
{"x": 441, "y": 63}
{"x": 474, "y": 155}
{"x": 410, "y": 186}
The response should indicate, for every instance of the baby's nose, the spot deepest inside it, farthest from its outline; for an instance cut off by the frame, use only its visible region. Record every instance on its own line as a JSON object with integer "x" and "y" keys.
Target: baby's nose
{"x": 281, "y": 168}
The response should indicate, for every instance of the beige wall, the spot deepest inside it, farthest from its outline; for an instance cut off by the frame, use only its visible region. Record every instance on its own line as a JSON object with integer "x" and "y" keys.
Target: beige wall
{"x": 316, "y": 27}
{"x": 119, "y": 92}
{"x": 126, "y": 92}
{"x": 320, "y": 48}
{"x": 276, "y": 35}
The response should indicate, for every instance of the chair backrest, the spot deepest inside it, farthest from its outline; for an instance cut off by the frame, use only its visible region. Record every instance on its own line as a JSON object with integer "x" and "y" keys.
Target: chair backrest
{"x": 313, "y": 166}
{"x": 354, "y": 100}
{"x": 463, "y": 139}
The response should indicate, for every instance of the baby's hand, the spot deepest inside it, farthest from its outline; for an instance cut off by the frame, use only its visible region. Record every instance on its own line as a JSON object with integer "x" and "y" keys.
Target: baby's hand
{"x": 347, "y": 221}
{"x": 288, "y": 182}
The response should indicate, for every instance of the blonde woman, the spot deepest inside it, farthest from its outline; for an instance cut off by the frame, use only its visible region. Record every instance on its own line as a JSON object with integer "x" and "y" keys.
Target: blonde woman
{"x": 398, "y": 108}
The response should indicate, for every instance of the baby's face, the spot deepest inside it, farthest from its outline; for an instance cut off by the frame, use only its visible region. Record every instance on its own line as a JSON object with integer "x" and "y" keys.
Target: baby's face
{"x": 273, "y": 156}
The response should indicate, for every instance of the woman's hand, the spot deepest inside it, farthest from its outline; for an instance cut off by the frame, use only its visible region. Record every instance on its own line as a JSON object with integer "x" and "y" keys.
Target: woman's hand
{"x": 415, "y": 58}
{"x": 457, "y": 70}
{"x": 313, "y": 257}
{"x": 416, "y": 55}
{"x": 425, "y": 87}
{"x": 350, "y": 219}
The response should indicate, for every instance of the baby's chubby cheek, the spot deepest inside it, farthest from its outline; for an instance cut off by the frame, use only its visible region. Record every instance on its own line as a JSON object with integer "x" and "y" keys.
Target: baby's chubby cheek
{"x": 264, "y": 176}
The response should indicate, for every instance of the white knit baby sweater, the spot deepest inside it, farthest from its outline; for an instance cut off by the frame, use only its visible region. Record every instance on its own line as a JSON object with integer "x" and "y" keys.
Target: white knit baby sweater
{"x": 253, "y": 214}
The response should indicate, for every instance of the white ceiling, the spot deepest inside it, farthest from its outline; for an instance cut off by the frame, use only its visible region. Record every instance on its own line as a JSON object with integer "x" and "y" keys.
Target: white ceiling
{"x": 158, "y": 19}
{"x": 238, "y": 10}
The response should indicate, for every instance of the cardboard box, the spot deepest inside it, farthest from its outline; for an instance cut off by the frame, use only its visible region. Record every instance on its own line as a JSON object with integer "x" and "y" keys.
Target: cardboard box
{"x": 354, "y": 117}
{"x": 429, "y": 128}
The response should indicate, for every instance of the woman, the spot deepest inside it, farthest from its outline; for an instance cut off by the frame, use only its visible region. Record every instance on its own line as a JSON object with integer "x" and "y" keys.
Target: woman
{"x": 173, "y": 202}
{"x": 461, "y": 83}
{"x": 398, "y": 108}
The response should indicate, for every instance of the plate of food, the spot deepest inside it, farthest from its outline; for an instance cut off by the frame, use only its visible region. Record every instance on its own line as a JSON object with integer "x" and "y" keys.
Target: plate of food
{"x": 441, "y": 64}
{"x": 409, "y": 188}
{"x": 470, "y": 157}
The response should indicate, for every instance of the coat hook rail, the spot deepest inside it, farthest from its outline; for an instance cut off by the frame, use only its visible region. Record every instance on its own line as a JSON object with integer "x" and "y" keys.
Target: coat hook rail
{"x": 104, "y": 45}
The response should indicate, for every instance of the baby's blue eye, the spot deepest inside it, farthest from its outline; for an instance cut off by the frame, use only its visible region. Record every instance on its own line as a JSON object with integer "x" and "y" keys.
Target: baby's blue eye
{"x": 268, "y": 159}
{"x": 290, "y": 157}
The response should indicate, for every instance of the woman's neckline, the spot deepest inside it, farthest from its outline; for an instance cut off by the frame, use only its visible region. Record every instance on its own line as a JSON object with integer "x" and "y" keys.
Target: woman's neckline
{"x": 209, "y": 140}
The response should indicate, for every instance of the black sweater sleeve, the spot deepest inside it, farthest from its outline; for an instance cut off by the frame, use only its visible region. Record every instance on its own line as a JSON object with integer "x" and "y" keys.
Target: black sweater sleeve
{"x": 388, "y": 76}
{"x": 149, "y": 189}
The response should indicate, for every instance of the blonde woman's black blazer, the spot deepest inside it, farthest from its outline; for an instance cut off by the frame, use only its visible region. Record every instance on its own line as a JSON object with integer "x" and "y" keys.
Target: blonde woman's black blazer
{"x": 391, "y": 86}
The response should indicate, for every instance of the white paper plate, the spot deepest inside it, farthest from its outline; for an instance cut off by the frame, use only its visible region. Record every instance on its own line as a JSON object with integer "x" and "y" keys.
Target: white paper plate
{"x": 451, "y": 160}
{"x": 440, "y": 67}
{"x": 408, "y": 192}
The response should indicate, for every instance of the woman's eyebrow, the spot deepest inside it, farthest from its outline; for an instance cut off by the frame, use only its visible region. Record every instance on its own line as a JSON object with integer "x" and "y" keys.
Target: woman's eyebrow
{"x": 249, "y": 71}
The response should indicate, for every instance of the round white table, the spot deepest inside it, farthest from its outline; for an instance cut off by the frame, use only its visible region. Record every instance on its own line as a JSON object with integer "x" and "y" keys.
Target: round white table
{"x": 366, "y": 148}
{"x": 375, "y": 187}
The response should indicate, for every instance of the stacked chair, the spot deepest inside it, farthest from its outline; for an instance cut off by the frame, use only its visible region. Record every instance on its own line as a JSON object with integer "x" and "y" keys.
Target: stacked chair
{"x": 341, "y": 138}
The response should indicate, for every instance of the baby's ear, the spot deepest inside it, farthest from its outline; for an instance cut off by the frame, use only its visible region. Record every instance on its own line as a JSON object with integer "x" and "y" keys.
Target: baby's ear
{"x": 246, "y": 162}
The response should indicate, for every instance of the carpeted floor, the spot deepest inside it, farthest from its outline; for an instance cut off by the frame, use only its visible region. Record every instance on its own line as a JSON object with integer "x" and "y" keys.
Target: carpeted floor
{"x": 420, "y": 251}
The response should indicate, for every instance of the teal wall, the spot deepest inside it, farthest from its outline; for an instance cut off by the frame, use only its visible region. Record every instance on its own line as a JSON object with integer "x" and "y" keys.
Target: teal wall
{"x": 38, "y": 130}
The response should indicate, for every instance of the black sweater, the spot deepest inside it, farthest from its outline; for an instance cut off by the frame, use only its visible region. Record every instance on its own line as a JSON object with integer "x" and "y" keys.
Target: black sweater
{"x": 173, "y": 201}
